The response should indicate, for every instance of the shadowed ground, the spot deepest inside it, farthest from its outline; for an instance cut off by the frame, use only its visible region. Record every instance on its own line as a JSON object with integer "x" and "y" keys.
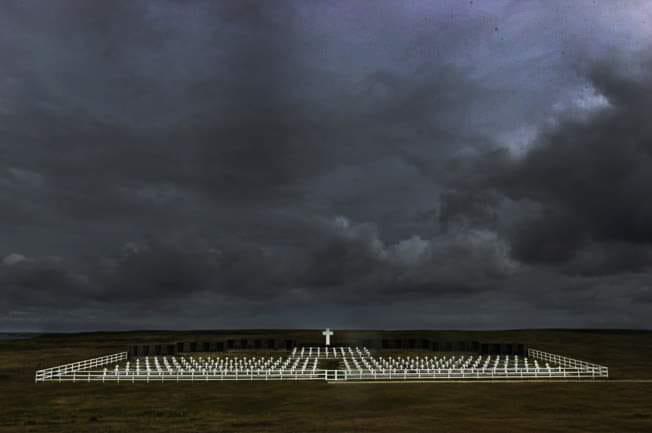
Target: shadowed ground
{"x": 314, "y": 407}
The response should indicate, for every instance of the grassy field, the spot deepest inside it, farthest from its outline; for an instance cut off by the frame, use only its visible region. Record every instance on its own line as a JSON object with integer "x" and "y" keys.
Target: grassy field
{"x": 320, "y": 407}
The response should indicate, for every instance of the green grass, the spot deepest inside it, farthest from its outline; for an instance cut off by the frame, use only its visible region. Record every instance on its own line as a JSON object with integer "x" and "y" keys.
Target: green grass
{"x": 318, "y": 406}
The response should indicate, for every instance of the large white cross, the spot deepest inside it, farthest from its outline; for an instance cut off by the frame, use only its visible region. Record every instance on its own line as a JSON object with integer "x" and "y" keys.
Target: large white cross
{"x": 327, "y": 333}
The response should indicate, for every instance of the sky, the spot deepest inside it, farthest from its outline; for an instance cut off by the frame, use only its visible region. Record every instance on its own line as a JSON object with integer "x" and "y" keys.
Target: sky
{"x": 351, "y": 164}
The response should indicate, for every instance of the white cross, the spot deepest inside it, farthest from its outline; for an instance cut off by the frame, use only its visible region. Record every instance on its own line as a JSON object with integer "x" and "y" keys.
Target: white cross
{"x": 327, "y": 333}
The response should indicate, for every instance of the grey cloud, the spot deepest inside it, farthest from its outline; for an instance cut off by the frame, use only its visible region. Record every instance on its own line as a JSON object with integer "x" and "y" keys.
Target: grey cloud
{"x": 345, "y": 263}
{"x": 552, "y": 237}
{"x": 593, "y": 175}
{"x": 483, "y": 157}
{"x": 610, "y": 258}
{"x": 41, "y": 282}
{"x": 583, "y": 182}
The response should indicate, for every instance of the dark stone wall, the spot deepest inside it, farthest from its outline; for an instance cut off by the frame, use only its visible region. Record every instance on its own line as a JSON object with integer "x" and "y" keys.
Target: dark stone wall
{"x": 152, "y": 349}
{"x": 264, "y": 344}
{"x": 212, "y": 345}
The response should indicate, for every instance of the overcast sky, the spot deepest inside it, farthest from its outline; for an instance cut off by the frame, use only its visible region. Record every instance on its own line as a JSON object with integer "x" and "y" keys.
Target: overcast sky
{"x": 352, "y": 164}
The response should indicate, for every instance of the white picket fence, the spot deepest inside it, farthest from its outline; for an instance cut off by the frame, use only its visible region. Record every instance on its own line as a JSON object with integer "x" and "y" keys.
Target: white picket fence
{"x": 565, "y": 369}
{"x": 571, "y": 363}
{"x": 68, "y": 369}
{"x": 327, "y": 375}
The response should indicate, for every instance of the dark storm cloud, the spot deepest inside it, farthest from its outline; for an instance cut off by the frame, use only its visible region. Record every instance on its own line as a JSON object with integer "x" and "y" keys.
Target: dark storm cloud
{"x": 593, "y": 177}
{"x": 610, "y": 258}
{"x": 239, "y": 134}
{"x": 345, "y": 264}
{"x": 29, "y": 283}
{"x": 552, "y": 237}
{"x": 248, "y": 143}
{"x": 467, "y": 207}
{"x": 194, "y": 164}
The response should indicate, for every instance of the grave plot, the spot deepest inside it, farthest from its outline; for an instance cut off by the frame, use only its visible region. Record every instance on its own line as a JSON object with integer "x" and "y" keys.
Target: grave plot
{"x": 466, "y": 366}
{"x": 307, "y": 363}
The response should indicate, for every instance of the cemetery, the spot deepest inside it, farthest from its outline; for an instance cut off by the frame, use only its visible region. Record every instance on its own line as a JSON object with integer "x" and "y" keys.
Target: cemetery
{"x": 72, "y": 385}
{"x": 292, "y": 361}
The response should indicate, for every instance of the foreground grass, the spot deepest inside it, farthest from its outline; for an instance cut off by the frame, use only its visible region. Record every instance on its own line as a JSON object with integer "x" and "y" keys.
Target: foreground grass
{"x": 317, "y": 407}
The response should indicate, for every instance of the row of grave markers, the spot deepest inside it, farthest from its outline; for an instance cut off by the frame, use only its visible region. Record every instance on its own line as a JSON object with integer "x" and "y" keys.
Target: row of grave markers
{"x": 302, "y": 364}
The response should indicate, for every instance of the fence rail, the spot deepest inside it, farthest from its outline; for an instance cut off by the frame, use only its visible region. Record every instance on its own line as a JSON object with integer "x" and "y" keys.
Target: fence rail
{"x": 67, "y": 369}
{"x": 566, "y": 362}
{"x": 86, "y": 371}
{"x": 328, "y": 375}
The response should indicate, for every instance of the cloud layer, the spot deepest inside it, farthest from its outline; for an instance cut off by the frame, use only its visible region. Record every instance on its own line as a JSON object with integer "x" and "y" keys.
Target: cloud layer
{"x": 343, "y": 164}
